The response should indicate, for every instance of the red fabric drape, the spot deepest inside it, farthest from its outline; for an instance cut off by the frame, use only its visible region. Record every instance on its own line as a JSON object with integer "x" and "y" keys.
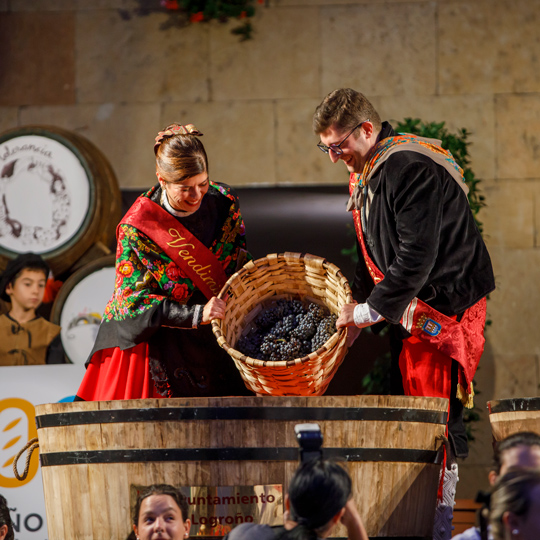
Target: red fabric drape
{"x": 425, "y": 371}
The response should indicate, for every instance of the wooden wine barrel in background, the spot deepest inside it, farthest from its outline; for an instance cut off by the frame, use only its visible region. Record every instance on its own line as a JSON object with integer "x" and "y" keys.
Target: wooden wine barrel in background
{"x": 59, "y": 197}
{"x": 509, "y": 416}
{"x": 79, "y": 306}
{"x": 92, "y": 453}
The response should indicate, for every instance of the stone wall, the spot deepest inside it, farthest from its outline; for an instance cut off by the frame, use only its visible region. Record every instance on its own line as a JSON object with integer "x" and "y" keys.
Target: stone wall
{"x": 95, "y": 67}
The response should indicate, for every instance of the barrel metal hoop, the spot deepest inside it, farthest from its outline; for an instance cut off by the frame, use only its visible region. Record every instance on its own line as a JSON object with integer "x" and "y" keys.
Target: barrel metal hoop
{"x": 166, "y": 414}
{"x": 91, "y": 457}
{"x": 514, "y": 405}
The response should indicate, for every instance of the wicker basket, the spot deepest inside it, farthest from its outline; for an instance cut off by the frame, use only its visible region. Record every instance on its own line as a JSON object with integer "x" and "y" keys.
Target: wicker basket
{"x": 260, "y": 283}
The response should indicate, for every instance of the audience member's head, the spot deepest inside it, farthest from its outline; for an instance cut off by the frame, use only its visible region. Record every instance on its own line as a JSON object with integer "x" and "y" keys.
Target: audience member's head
{"x": 515, "y": 505}
{"x": 164, "y": 508}
{"x": 22, "y": 273}
{"x": 6, "y": 526}
{"x": 318, "y": 493}
{"x": 518, "y": 450}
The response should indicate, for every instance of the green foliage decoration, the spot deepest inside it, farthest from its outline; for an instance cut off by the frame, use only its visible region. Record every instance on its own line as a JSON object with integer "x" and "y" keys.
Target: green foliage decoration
{"x": 184, "y": 12}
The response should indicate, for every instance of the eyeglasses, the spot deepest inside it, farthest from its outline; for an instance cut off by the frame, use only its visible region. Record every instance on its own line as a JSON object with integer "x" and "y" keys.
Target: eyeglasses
{"x": 336, "y": 148}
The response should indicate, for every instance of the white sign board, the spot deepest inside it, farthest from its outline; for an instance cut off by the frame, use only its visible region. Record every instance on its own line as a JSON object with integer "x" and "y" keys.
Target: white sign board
{"x": 21, "y": 389}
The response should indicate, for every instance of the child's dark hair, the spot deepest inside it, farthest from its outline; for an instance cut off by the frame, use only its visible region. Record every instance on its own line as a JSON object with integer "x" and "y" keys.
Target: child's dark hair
{"x": 318, "y": 490}
{"x": 36, "y": 267}
{"x": 5, "y": 518}
{"x": 522, "y": 438}
{"x": 162, "y": 489}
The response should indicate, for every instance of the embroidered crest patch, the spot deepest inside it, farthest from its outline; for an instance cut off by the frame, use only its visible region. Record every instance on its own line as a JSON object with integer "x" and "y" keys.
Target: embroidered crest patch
{"x": 431, "y": 327}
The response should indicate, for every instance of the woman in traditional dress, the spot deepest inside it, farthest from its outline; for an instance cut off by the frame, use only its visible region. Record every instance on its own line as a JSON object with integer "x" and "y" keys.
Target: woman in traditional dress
{"x": 176, "y": 247}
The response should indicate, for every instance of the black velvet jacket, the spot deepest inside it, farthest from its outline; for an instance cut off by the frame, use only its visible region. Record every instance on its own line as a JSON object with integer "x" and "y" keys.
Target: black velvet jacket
{"x": 421, "y": 234}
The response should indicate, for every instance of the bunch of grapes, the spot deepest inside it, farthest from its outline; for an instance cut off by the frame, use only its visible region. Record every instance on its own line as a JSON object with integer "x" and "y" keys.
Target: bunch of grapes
{"x": 325, "y": 329}
{"x": 288, "y": 330}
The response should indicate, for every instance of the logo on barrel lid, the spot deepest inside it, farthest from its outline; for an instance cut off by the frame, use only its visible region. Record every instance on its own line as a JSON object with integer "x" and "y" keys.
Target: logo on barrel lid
{"x": 44, "y": 194}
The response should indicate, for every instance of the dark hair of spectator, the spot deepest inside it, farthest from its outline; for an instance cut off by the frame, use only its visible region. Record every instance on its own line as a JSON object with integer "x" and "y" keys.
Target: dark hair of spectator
{"x": 318, "y": 490}
{"x": 5, "y": 518}
{"x": 162, "y": 489}
{"x": 512, "y": 493}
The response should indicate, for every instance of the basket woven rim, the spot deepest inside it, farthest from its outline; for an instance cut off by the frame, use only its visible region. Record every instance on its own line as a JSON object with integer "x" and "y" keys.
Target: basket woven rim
{"x": 314, "y": 355}
{"x": 287, "y": 255}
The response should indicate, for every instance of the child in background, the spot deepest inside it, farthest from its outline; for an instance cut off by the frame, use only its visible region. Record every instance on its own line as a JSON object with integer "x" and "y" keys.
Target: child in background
{"x": 25, "y": 337}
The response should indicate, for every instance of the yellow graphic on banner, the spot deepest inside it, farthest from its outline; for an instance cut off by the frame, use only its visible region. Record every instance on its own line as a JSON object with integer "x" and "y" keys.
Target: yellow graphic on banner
{"x": 17, "y": 427}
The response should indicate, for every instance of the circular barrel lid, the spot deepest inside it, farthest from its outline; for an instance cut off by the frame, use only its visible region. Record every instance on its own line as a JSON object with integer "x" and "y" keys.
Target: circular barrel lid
{"x": 80, "y": 304}
{"x": 58, "y": 196}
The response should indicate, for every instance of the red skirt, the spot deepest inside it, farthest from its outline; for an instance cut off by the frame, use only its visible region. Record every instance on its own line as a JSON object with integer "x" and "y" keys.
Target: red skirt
{"x": 116, "y": 374}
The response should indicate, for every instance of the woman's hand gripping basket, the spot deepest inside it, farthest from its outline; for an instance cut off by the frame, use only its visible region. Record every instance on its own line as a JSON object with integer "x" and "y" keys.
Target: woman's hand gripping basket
{"x": 258, "y": 284}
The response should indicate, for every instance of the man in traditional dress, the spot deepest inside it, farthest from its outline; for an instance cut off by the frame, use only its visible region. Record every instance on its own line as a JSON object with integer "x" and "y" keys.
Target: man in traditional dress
{"x": 423, "y": 266}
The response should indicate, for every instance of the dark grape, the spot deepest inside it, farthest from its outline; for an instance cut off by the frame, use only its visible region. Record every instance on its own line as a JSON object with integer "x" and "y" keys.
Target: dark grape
{"x": 289, "y": 329}
{"x": 306, "y": 327}
{"x": 325, "y": 330}
{"x": 250, "y": 344}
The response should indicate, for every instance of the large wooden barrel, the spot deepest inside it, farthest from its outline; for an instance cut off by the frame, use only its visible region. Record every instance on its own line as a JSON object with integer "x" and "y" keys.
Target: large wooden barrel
{"x": 93, "y": 453}
{"x": 59, "y": 197}
{"x": 509, "y": 416}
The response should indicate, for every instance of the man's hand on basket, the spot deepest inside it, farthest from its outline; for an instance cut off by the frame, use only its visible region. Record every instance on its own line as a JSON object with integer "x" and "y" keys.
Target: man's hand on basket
{"x": 213, "y": 309}
{"x": 346, "y": 319}
{"x": 359, "y": 315}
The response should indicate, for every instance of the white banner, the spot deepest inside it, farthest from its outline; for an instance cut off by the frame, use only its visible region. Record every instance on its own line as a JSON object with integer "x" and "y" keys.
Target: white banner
{"x": 21, "y": 389}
